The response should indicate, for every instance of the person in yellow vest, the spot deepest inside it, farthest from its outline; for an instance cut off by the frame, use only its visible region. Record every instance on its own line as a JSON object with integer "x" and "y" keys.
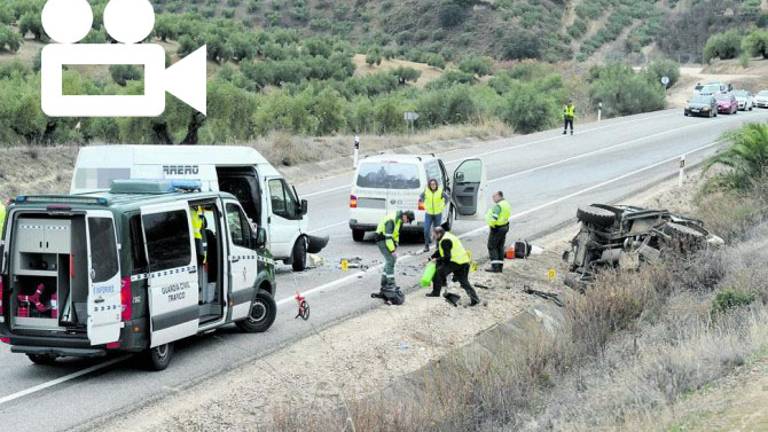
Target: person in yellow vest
{"x": 2, "y": 217}
{"x": 569, "y": 114}
{"x": 434, "y": 199}
{"x": 452, "y": 257}
{"x": 498, "y": 222}
{"x": 198, "y": 221}
{"x": 388, "y": 239}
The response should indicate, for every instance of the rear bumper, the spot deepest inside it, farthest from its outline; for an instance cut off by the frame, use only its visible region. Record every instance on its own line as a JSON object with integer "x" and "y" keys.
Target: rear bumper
{"x": 59, "y": 351}
{"x": 414, "y": 227}
{"x": 699, "y": 113}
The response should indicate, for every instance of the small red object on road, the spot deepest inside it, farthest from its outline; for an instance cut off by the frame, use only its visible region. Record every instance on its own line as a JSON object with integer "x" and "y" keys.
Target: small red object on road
{"x": 303, "y": 307}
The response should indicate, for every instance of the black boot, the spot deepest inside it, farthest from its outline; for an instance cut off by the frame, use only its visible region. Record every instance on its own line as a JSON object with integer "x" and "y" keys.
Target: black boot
{"x": 452, "y": 299}
{"x": 434, "y": 294}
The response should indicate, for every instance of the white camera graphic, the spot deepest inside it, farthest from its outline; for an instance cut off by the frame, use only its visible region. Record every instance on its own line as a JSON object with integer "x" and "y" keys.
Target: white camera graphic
{"x": 128, "y": 22}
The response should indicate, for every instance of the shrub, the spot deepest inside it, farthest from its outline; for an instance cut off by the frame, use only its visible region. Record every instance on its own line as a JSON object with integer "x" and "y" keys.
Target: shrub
{"x": 406, "y": 74}
{"x": 121, "y": 74}
{"x": 724, "y": 46}
{"x": 9, "y": 39}
{"x": 373, "y": 57}
{"x": 436, "y": 61}
{"x": 624, "y": 92}
{"x": 729, "y": 299}
{"x": 745, "y": 160}
{"x": 527, "y": 109}
{"x": 663, "y": 68}
{"x": 476, "y": 65}
{"x": 451, "y": 14}
{"x": 756, "y": 44}
{"x": 30, "y": 22}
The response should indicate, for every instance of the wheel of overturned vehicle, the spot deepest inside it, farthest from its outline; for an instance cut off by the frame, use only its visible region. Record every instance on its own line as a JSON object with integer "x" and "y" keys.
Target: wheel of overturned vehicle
{"x": 159, "y": 357}
{"x": 261, "y": 316}
{"x": 596, "y": 216}
{"x": 358, "y": 235}
{"x": 300, "y": 255}
{"x": 684, "y": 238}
{"x": 42, "y": 359}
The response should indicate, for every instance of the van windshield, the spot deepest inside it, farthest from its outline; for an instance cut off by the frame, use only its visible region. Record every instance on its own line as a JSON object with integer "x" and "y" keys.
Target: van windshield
{"x": 388, "y": 175}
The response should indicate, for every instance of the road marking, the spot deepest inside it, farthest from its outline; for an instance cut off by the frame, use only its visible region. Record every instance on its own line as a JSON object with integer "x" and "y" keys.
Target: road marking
{"x": 514, "y": 147}
{"x": 479, "y": 230}
{"x": 61, "y": 380}
{"x": 329, "y": 227}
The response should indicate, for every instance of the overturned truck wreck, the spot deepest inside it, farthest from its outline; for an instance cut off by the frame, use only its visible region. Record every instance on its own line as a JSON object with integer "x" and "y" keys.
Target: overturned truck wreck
{"x": 625, "y": 237}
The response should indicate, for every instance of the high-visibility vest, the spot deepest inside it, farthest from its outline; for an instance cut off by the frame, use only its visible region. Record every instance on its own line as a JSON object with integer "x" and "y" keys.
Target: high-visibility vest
{"x": 569, "y": 112}
{"x": 394, "y": 238}
{"x": 198, "y": 217}
{"x": 434, "y": 202}
{"x": 459, "y": 255}
{"x": 2, "y": 216}
{"x": 505, "y": 212}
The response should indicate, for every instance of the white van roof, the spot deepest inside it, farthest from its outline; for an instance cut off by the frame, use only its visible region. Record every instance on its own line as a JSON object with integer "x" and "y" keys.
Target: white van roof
{"x": 129, "y": 155}
{"x": 398, "y": 158}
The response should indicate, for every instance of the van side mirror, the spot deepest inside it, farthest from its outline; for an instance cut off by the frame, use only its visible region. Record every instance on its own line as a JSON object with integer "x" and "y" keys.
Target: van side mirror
{"x": 304, "y": 207}
{"x": 260, "y": 238}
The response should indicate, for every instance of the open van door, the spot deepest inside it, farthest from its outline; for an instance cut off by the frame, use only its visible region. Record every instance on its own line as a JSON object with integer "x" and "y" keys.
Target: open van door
{"x": 104, "y": 302}
{"x": 468, "y": 191}
{"x": 173, "y": 273}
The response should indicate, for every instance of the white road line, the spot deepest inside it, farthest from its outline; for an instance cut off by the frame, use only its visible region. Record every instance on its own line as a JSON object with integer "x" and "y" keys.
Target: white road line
{"x": 329, "y": 227}
{"x": 514, "y": 147}
{"x": 60, "y": 380}
{"x": 474, "y": 232}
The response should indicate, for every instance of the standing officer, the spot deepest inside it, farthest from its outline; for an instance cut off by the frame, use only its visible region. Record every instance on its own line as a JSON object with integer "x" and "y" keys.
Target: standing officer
{"x": 388, "y": 238}
{"x": 569, "y": 113}
{"x": 434, "y": 199}
{"x": 451, "y": 258}
{"x": 498, "y": 222}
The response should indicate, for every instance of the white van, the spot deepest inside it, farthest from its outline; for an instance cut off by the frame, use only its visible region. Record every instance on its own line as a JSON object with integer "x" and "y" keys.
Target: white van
{"x": 242, "y": 171}
{"x": 391, "y": 182}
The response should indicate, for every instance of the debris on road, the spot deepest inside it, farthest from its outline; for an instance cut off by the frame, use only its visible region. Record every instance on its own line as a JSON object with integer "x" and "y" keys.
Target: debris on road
{"x": 625, "y": 237}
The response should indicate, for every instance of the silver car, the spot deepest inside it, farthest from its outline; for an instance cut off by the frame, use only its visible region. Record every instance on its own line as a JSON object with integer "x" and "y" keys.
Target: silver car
{"x": 745, "y": 100}
{"x": 761, "y": 99}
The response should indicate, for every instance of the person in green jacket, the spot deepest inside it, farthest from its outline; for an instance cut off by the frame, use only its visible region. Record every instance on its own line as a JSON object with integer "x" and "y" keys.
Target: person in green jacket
{"x": 388, "y": 238}
{"x": 452, "y": 257}
{"x": 434, "y": 199}
{"x": 569, "y": 114}
{"x": 497, "y": 219}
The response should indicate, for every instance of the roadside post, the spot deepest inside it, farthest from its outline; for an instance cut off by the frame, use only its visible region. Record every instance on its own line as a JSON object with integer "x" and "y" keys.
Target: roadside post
{"x": 682, "y": 171}
{"x": 356, "y": 151}
{"x": 665, "y": 82}
{"x": 599, "y": 111}
{"x": 410, "y": 118}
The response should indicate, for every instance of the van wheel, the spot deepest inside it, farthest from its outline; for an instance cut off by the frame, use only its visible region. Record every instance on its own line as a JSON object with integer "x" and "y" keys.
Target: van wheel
{"x": 261, "y": 316}
{"x": 299, "y": 259}
{"x": 42, "y": 359}
{"x": 159, "y": 357}
{"x": 358, "y": 235}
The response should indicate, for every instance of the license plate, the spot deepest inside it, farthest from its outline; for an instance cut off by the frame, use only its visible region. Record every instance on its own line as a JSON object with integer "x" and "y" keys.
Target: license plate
{"x": 695, "y": 110}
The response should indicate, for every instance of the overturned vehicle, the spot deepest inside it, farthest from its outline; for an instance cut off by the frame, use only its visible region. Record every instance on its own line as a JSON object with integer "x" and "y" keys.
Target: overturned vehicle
{"x": 625, "y": 237}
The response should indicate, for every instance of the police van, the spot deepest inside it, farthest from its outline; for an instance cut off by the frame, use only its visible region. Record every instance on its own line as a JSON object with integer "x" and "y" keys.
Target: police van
{"x": 266, "y": 197}
{"x": 387, "y": 183}
{"x": 132, "y": 269}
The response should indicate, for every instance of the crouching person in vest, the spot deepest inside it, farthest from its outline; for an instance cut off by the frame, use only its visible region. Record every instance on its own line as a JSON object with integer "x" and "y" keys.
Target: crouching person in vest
{"x": 498, "y": 222}
{"x": 388, "y": 238}
{"x": 451, "y": 258}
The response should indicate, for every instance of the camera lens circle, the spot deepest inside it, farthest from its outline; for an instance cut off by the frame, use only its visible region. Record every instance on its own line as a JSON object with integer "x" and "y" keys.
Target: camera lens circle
{"x": 129, "y": 21}
{"x": 67, "y": 21}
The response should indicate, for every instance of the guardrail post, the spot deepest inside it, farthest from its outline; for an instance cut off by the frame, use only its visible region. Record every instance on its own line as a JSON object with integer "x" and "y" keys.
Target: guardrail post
{"x": 682, "y": 171}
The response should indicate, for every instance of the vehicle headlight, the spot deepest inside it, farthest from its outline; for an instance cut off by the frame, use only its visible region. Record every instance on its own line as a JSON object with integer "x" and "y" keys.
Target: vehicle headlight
{"x": 706, "y": 108}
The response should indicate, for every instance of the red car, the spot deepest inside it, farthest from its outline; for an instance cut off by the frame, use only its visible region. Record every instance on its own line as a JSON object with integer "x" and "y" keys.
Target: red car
{"x": 727, "y": 103}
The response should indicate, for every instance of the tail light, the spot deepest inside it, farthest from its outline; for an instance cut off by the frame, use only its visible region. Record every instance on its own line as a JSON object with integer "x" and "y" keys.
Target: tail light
{"x": 352, "y": 201}
{"x": 125, "y": 299}
{"x": 421, "y": 205}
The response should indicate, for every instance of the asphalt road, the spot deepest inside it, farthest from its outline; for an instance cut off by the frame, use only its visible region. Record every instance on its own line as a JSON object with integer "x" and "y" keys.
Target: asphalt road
{"x": 545, "y": 177}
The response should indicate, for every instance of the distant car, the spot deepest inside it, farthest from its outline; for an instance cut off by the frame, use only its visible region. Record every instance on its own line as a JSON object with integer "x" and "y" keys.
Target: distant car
{"x": 761, "y": 99}
{"x": 701, "y": 105}
{"x": 726, "y": 103}
{"x": 712, "y": 88}
{"x": 745, "y": 100}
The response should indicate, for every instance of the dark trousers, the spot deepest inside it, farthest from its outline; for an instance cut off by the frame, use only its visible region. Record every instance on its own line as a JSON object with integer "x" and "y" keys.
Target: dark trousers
{"x": 496, "y": 240}
{"x": 568, "y": 121}
{"x": 460, "y": 273}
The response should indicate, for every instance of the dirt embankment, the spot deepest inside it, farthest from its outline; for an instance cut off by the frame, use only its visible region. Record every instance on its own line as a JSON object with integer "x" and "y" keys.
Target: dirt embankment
{"x": 35, "y": 170}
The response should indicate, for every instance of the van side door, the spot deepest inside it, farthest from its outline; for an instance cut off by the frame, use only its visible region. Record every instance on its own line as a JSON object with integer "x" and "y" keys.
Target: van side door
{"x": 468, "y": 192}
{"x": 285, "y": 217}
{"x": 104, "y": 302}
{"x": 173, "y": 279}
{"x": 243, "y": 261}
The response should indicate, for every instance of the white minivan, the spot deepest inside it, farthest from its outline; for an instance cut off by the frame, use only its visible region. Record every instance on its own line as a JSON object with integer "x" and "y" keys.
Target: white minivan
{"x": 242, "y": 171}
{"x": 390, "y": 182}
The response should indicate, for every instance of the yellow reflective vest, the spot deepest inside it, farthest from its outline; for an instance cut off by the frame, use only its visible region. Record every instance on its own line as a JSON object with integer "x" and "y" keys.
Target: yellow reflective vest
{"x": 393, "y": 238}
{"x": 434, "y": 203}
{"x": 2, "y": 216}
{"x": 459, "y": 255}
{"x": 198, "y": 217}
{"x": 569, "y": 112}
{"x": 499, "y": 215}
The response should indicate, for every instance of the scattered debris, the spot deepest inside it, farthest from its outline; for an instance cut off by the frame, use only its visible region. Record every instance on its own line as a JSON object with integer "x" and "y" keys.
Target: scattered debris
{"x": 303, "y": 307}
{"x": 545, "y": 295}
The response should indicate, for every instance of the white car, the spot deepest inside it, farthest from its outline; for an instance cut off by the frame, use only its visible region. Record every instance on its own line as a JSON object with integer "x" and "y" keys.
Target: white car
{"x": 391, "y": 182}
{"x": 761, "y": 99}
{"x": 745, "y": 100}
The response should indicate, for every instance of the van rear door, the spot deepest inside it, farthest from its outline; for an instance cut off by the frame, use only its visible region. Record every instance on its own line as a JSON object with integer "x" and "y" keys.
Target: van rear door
{"x": 468, "y": 192}
{"x": 104, "y": 303}
{"x": 173, "y": 273}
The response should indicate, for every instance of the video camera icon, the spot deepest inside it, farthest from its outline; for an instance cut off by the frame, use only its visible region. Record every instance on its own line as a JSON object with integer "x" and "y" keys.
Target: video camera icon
{"x": 128, "y": 22}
